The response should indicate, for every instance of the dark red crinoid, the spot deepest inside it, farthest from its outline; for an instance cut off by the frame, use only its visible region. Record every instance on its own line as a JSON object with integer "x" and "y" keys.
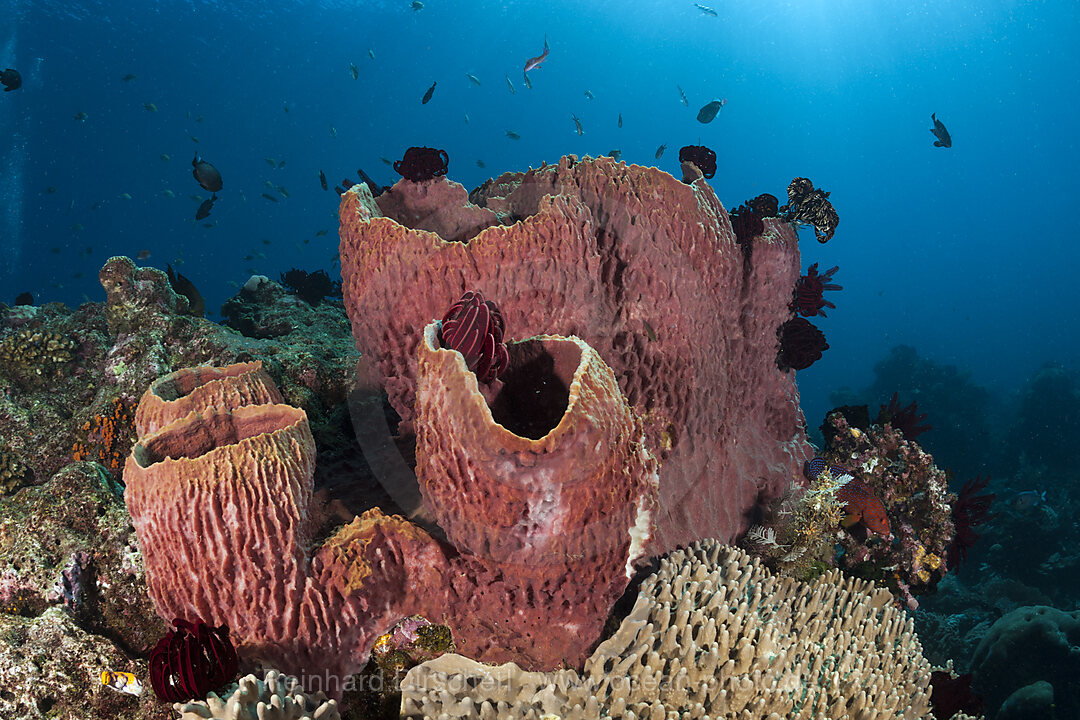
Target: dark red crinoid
{"x": 801, "y": 344}
{"x": 809, "y": 296}
{"x": 474, "y": 327}
{"x": 969, "y": 510}
{"x": 905, "y": 419}
{"x": 746, "y": 223}
{"x": 422, "y": 163}
{"x": 703, "y": 157}
{"x": 953, "y": 694}
{"x": 192, "y": 660}
{"x": 765, "y": 205}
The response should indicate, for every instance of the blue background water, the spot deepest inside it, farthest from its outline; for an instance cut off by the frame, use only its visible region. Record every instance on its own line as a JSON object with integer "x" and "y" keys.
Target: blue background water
{"x": 967, "y": 253}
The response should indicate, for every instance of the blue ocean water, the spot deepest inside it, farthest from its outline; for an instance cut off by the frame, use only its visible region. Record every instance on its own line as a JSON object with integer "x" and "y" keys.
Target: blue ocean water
{"x": 966, "y": 253}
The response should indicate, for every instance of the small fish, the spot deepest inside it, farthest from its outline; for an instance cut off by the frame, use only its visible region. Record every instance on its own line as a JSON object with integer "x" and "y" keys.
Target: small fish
{"x": 705, "y": 9}
{"x": 168, "y": 193}
{"x": 124, "y": 196}
{"x": 354, "y": 70}
{"x": 466, "y": 118}
{"x": 268, "y": 184}
{"x": 281, "y": 165}
{"x": 510, "y": 85}
{"x": 512, "y": 135}
{"x": 428, "y": 94}
{"x": 199, "y": 119}
{"x": 123, "y": 682}
{"x": 182, "y": 286}
{"x": 281, "y": 189}
{"x": 204, "y": 209}
{"x": 24, "y": 299}
{"x": 322, "y": 180}
{"x": 535, "y": 62}
{"x": 371, "y": 53}
{"x": 165, "y": 157}
{"x": 480, "y": 164}
{"x": 76, "y": 227}
{"x": 615, "y": 154}
{"x": 649, "y": 330}
{"x": 150, "y": 107}
{"x": 1028, "y": 500}
{"x": 660, "y": 152}
{"x": 942, "y": 135}
{"x": 416, "y": 5}
{"x": 320, "y": 233}
{"x": 709, "y": 110}
{"x": 271, "y": 162}
{"x": 682, "y": 96}
{"x": 388, "y": 161}
{"x": 196, "y": 198}
{"x": 863, "y": 505}
{"x": 129, "y": 77}
{"x": 11, "y": 79}
{"x": 206, "y": 174}
{"x": 620, "y": 119}
{"x": 528, "y": 83}
{"x": 333, "y": 131}
{"x": 193, "y": 138}
{"x": 475, "y": 80}
{"x": 269, "y": 197}
{"x": 285, "y": 106}
{"x": 589, "y": 95}
{"x": 209, "y": 225}
{"x": 50, "y": 190}
{"x": 143, "y": 255}
{"x": 577, "y": 124}
{"x": 81, "y": 116}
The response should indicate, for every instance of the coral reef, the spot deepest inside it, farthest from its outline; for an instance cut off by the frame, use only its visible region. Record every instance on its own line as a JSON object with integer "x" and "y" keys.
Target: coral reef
{"x": 712, "y": 634}
{"x": 13, "y": 471}
{"x": 275, "y": 697}
{"x": 691, "y": 337}
{"x": 107, "y": 437}
{"x": 33, "y": 358}
{"x": 1030, "y": 645}
{"x": 917, "y": 501}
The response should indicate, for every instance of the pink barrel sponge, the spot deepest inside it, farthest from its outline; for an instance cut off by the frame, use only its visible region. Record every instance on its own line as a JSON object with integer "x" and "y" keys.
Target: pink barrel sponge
{"x": 643, "y": 268}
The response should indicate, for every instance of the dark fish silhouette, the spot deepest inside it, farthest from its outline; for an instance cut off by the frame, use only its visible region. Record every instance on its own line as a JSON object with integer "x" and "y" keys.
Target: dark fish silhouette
{"x": 11, "y": 79}
{"x": 271, "y": 198}
{"x": 206, "y": 174}
{"x": 942, "y": 135}
{"x": 428, "y": 94}
{"x": 708, "y": 112}
{"x": 660, "y": 152}
{"x": 24, "y": 299}
{"x": 206, "y": 207}
{"x": 322, "y": 180}
{"x": 354, "y": 71}
{"x": 182, "y": 286}
{"x": 620, "y": 119}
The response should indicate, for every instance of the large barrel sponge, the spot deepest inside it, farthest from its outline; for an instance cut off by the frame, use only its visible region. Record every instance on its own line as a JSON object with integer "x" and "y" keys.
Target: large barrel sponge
{"x": 712, "y": 634}
{"x": 642, "y": 267}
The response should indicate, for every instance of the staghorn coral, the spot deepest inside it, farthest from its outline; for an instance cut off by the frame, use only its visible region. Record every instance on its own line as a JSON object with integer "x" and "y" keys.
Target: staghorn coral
{"x": 275, "y": 697}
{"x": 712, "y": 634}
{"x": 643, "y": 268}
{"x": 917, "y": 502}
{"x": 33, "y": 357}
{"x": 107, "y": 437}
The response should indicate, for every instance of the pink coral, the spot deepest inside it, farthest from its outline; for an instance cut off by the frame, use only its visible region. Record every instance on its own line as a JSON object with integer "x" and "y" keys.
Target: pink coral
{"x": 645, "y": 269}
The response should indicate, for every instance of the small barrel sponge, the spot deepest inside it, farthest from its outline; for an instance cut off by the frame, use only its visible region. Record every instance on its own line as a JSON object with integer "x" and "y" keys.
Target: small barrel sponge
{"x": 175, "y": 395}
{"x": 220, "y": 500}
{"x": 643, "y": 268}
{"x": 712, "y": 634}
{"x": 276, "y": 697}
{"x": 547, "y": 489}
